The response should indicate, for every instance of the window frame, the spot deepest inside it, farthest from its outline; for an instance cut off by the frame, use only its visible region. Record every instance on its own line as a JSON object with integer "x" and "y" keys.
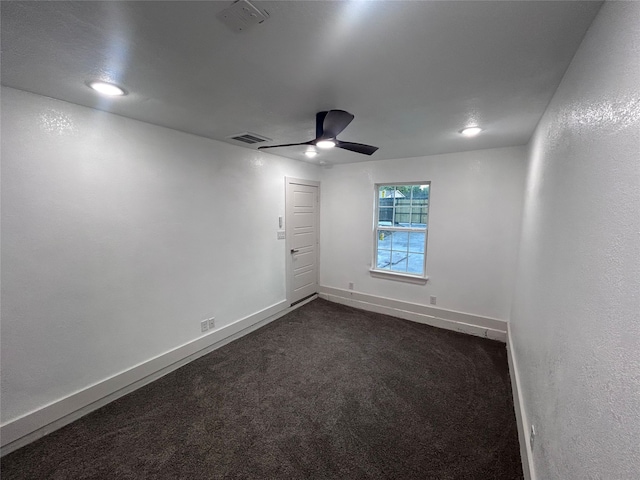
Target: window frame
{"x": 390, "y": 274}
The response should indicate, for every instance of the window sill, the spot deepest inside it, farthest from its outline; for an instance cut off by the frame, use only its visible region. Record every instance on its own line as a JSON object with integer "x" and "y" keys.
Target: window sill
{"x": 400, "y": 277}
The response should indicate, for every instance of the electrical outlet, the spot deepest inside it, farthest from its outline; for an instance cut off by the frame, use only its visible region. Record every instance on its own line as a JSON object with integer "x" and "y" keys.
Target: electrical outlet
{"x": 532, "y": 436}
{"x": 350, "y": 285}
{"x": 281, "y": 235}
{"x": 212, "y": 323}
{"x": 432, "y": 300}
{"x": 204, "y": 325}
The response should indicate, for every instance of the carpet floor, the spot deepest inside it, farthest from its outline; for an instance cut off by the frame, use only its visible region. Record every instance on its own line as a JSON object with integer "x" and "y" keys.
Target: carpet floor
{"x": 325, "y": 392}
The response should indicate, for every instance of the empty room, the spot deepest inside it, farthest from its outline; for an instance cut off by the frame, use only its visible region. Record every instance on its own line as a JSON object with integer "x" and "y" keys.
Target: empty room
{"x": 320, "y": 239}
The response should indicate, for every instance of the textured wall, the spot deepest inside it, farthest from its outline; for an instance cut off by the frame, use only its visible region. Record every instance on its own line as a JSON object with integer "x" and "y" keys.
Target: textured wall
{"x": 118, "y": 237}
{"x": 576, "y": 314}
{"x": 474, "y": 226}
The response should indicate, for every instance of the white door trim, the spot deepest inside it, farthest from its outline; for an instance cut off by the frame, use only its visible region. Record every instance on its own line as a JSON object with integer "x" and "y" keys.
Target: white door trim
{"x": 289, "y": 232}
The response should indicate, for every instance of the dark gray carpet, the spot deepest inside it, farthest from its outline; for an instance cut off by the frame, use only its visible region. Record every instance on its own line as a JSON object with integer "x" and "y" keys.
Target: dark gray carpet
{"x": 326, "y": 392}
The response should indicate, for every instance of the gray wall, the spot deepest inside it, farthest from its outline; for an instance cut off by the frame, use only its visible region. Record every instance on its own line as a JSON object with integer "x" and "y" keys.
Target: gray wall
{"x": 118, "y": 237}
{"x": 576, "y": 313}
{"x": 474, "y": 226}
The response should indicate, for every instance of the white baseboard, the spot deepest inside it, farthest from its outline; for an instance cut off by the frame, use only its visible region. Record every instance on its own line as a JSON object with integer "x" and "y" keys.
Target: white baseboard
{"x": 437, "y": 317}
{"x": 521, "y": 417}
{"x": 36, "y": 424}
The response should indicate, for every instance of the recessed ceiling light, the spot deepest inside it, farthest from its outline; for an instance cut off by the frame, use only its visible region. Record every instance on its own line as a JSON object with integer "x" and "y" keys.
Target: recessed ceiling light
{"x": 470, "y": 131}
{"x": 311, "y": 153}
{"x": 326, "y": 144}
{"x": 107, "y": 88}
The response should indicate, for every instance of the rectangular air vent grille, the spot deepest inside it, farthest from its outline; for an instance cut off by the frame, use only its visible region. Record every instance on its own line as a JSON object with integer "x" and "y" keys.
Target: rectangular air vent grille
{"x": 242, "y": 15}
{"x": 249, "y": 138}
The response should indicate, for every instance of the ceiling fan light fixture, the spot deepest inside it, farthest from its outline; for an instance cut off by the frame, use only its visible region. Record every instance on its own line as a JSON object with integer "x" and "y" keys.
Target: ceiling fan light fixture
{"x": 326, "y": 144}
{"x": 471, "y": 131}
{"x": 108, "y": 89}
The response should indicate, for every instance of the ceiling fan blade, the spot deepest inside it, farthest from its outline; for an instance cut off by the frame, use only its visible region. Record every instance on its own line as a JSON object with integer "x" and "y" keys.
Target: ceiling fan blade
{"x": 357, "y": 147}
{"x": 335, "y": 121}
{"x": 286, "y": 145}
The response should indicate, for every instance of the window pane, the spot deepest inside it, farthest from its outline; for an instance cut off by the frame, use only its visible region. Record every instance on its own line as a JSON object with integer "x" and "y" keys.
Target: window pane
{"x": 384, "y": 239}
{"x": 400, "y": 242}
{"x": 416, "y": 242}
{"x": 384, "y": 259}
{"x": 415, "y": 263}
{"x": 402, "y": 216}
{"x": 386, "y": 191}
{"x": 419, "y": 217}
{"x": 420, "y": 193}
{"x": 402, "y": 195}
{"x": 398, "y": 261}
{"x": 385, "y": 215}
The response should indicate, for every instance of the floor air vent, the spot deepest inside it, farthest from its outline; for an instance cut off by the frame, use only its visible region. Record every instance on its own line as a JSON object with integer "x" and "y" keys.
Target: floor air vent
{"x": 249, "y": 138}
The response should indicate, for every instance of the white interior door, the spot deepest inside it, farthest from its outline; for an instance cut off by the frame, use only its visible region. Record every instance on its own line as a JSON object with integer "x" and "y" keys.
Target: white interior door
{"x": 302, "y": 214}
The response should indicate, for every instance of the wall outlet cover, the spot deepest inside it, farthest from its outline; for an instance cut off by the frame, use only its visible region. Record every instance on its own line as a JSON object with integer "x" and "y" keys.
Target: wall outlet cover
{"x": 432, "y": 300}
{"x": 204, "y": 325}
{"x": 281, "y": 235}
{"x": 212, "y": 323}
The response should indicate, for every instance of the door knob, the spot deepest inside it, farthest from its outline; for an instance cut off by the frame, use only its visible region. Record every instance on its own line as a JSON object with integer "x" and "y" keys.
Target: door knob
{"x": 293, "y": 250}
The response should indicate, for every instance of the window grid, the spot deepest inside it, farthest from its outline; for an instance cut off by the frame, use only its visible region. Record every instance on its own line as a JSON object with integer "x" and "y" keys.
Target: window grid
{"x": 400, "y": 254}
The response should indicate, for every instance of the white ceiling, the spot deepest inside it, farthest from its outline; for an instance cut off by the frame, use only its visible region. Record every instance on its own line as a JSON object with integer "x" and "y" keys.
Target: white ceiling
{"x": 412, "y": 73}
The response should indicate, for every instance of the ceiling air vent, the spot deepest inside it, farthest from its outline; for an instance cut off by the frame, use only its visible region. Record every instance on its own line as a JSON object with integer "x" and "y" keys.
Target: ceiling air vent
{"x": 249, "y": 138}
{"x": 241, "y": 16}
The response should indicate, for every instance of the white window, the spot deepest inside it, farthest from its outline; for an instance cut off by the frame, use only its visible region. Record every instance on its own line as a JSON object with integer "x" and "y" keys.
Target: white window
{"x": 401, "y": 226}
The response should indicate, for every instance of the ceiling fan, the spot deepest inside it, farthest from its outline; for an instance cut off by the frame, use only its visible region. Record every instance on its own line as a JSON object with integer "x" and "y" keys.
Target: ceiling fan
{"x": 328, "y": 126}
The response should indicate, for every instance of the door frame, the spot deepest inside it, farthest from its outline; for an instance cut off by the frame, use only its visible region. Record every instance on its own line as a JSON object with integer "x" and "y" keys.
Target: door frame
{"x": 289, "y": 233}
